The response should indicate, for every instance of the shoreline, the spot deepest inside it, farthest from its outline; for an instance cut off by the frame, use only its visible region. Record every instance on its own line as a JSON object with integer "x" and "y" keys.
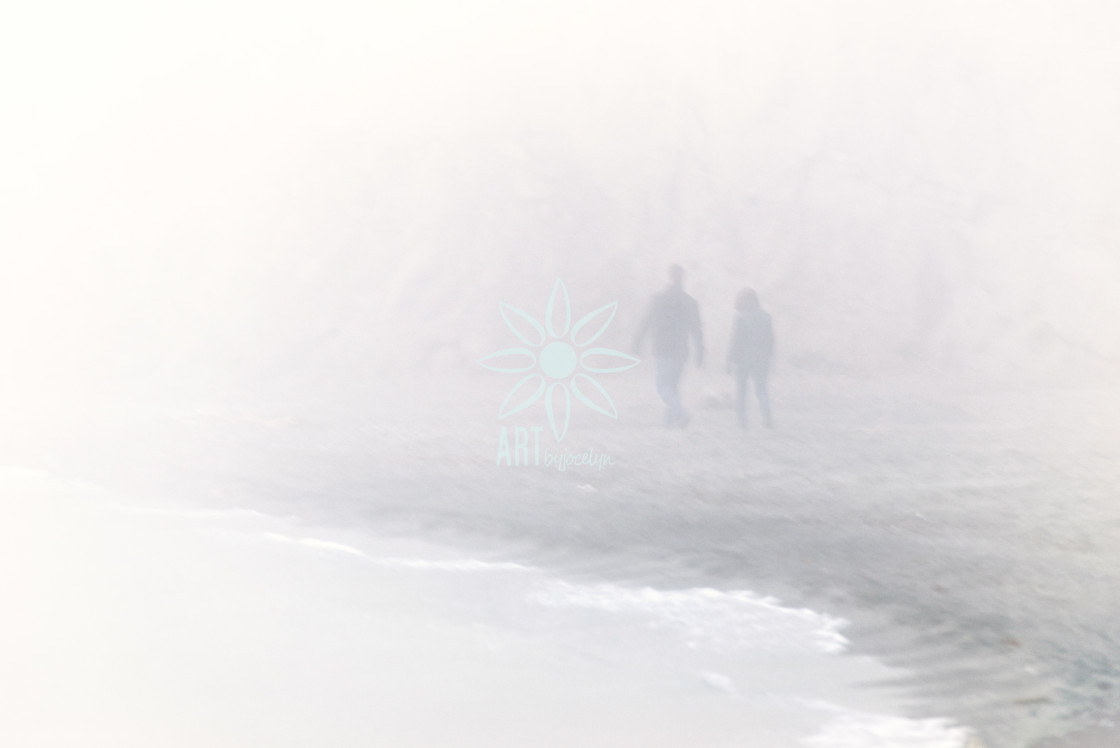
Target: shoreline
{"x": 238, "y": 597}
{"x": 963, "y": 538}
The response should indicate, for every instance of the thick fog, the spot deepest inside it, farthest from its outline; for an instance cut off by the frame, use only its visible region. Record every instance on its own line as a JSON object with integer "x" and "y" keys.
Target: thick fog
{"x": 239, "y": 197}
{"x": 253, "y": 252}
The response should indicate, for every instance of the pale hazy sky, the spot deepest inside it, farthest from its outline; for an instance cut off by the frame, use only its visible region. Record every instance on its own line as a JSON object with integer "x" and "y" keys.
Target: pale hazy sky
{"x": 148, "y": 142}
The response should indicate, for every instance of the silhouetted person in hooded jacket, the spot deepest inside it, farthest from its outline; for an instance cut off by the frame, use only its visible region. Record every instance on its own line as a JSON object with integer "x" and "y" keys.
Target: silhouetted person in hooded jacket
{"x": 674, "y": 317}
{"x": 750, "y": 353}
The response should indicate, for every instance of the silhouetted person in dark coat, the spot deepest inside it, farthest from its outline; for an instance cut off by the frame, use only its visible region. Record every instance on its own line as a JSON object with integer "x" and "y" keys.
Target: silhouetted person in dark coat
{"x": 674, "y": 317}
{"x": 750, "y": 353}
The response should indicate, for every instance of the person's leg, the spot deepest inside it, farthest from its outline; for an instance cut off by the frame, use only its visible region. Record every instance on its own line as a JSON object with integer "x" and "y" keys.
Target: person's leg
{"x": 762, "y": 390}
{"x": 741, "y": 395}
{"x": 666, "y": 389}
{"x": 678, "y": 371}
{"x": 668, "y": 380}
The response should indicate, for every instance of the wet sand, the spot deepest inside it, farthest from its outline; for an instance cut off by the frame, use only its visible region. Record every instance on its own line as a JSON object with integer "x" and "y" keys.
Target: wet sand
{"x": 134, "y": 625}
{"x": 971, "y": 537}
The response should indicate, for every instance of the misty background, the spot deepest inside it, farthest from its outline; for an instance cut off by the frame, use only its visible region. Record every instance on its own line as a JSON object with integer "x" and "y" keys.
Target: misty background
{"x": 252, "y": 253}
{"x": 230, "y": 199}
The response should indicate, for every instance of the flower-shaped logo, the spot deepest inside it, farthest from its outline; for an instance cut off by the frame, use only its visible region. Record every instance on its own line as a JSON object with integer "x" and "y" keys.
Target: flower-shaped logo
{"x": 554, "y": 357}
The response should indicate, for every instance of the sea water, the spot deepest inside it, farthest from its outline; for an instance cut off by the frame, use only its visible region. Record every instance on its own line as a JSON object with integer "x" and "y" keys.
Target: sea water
{"x": 128, "y": 623}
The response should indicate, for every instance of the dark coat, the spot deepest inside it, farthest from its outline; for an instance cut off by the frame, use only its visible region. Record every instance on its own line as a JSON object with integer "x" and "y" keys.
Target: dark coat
{"x": 674, "y": 317}
{"x": 752, "y": 339}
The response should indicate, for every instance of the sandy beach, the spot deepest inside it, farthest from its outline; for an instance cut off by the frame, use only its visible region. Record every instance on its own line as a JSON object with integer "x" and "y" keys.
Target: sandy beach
{"x": 128, "y": 625}
{"x": 967, "y": 538}
{"x": 271, "y": 273}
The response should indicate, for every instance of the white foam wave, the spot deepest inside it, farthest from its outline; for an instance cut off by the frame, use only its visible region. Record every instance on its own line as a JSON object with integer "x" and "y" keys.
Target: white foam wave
{"x": 463, "y": 564}
{"x": 852, "y": 729}
{"x": 323, "y": 545}
{"x": 188, "y": 513}
{"x": 723, "y": 621}
{"x": 453, "y": 564}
